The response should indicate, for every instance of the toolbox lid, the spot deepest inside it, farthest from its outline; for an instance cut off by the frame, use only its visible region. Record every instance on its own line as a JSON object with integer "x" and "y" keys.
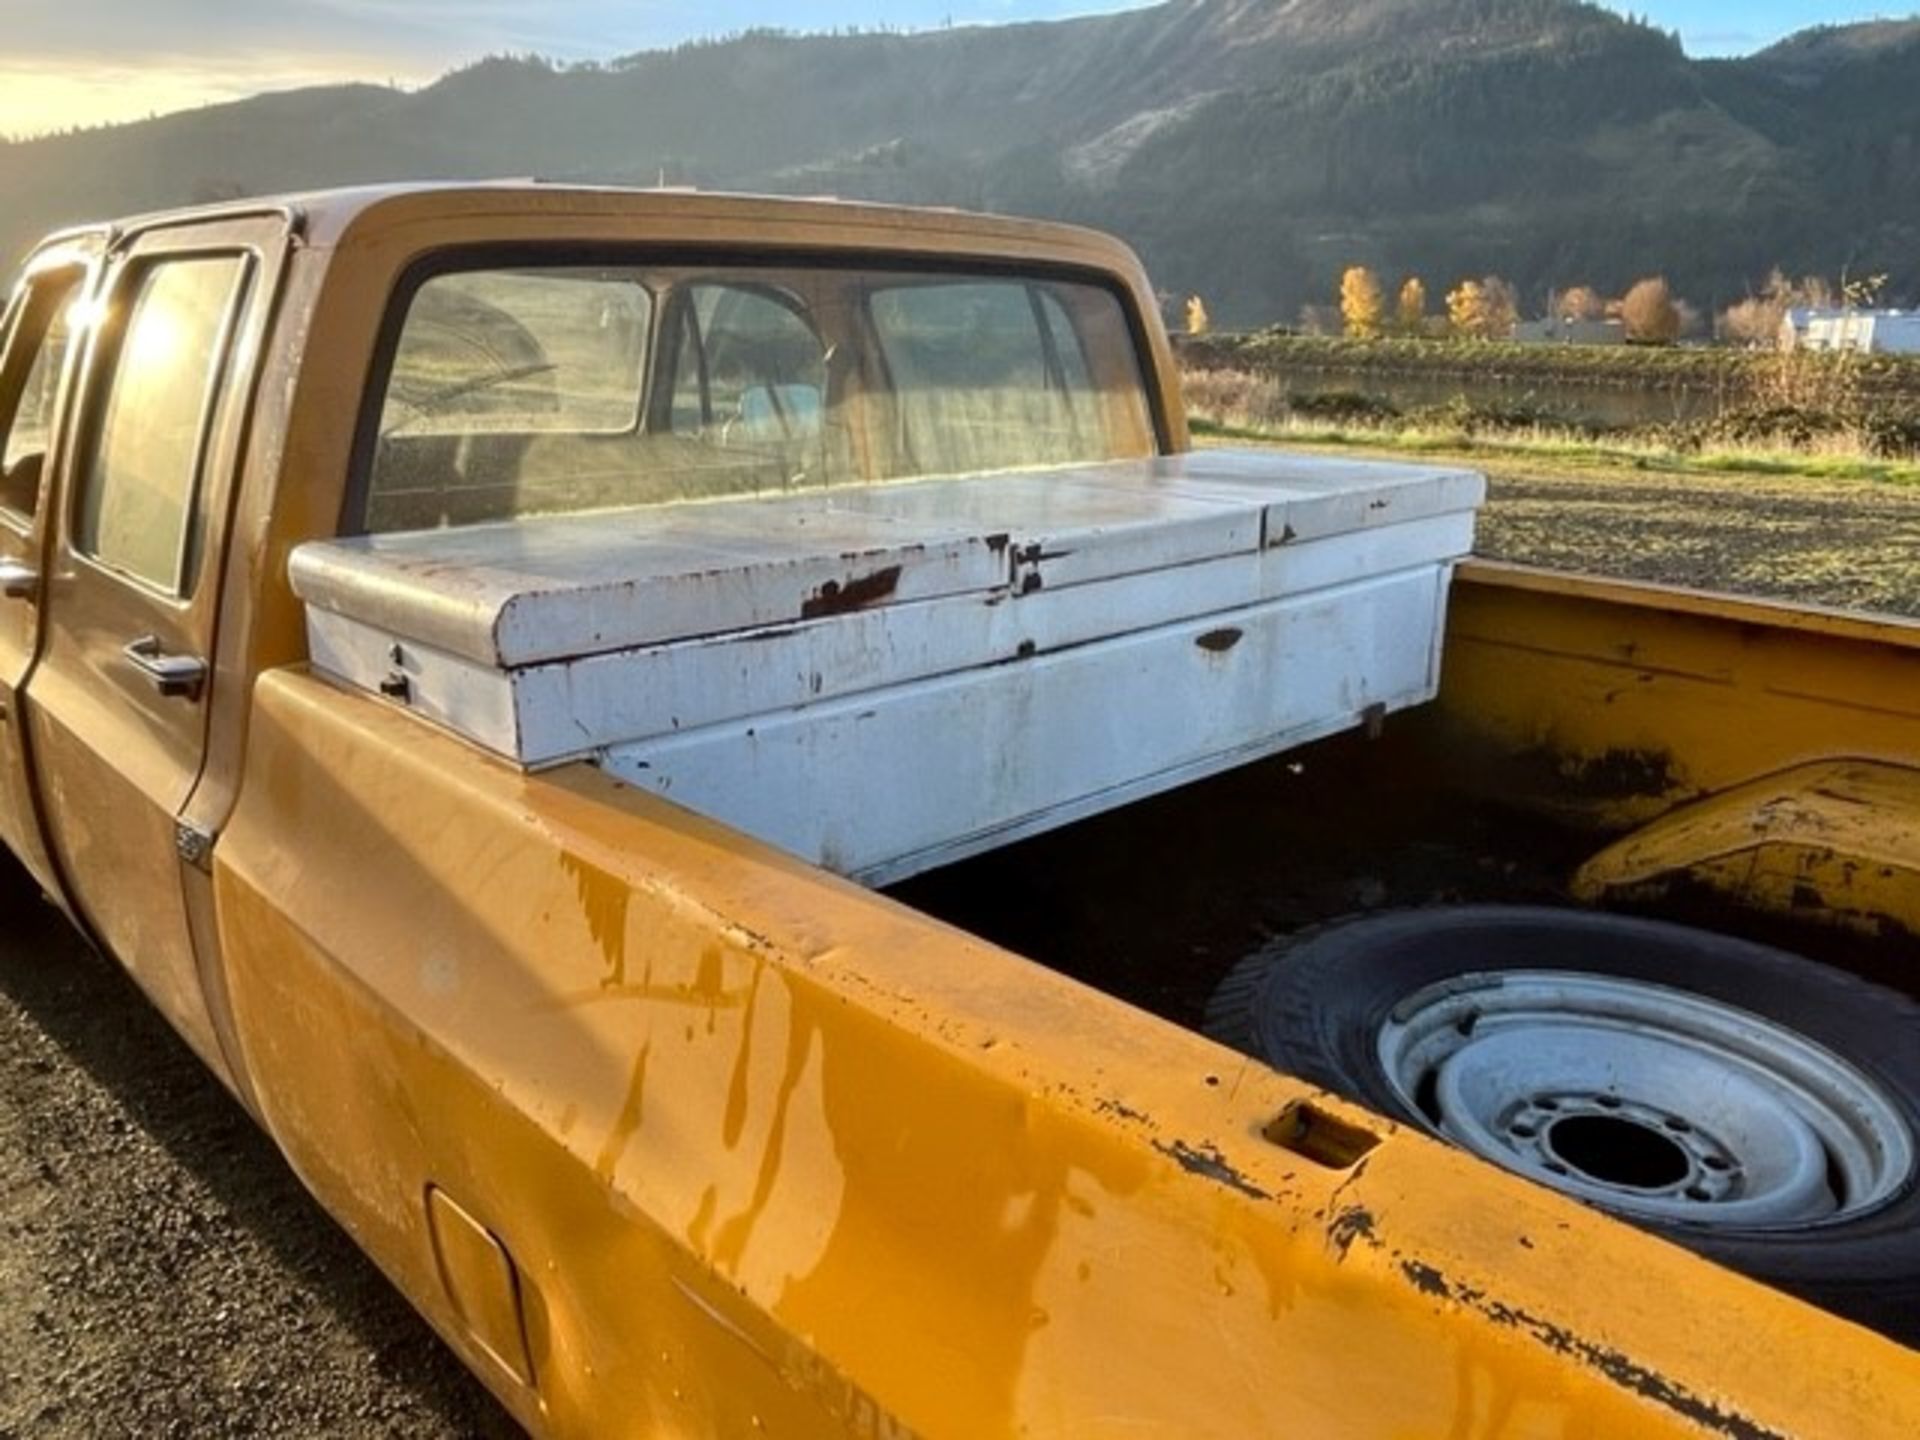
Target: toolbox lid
{"x": 559, "y": 587}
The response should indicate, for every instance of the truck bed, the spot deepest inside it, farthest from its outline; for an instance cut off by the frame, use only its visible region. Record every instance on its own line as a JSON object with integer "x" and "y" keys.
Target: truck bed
{"x": 1156, "y": 902}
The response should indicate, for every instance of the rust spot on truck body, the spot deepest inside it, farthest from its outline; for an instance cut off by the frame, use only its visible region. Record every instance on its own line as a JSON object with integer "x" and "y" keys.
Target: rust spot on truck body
{"x": 1354, "y": 1223}
{"x": 1205, "y": 1161}
{"x": 1620, "y": 1369}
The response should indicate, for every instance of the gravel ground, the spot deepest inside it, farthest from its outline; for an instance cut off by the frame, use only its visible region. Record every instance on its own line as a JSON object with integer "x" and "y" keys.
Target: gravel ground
{"x": 162, "y": 1274}
{"x": 161, "y": 1271}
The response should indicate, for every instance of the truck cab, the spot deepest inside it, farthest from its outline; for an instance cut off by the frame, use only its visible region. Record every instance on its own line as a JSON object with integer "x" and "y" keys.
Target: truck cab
{"x": 781, "y": 850}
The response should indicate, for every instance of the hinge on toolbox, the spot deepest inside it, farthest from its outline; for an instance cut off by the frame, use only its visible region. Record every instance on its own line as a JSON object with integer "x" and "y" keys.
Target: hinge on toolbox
{"x": 194, "y": 844}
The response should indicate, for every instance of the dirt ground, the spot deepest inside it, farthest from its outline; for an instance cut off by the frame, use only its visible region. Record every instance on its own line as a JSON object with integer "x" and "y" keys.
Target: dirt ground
{"x": 162, "y": 1274}
{"x": 1830, "y": 542}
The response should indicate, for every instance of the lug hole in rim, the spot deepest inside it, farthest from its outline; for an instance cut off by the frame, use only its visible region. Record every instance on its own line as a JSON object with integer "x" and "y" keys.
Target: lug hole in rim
{"x": 1618, "y": 1152}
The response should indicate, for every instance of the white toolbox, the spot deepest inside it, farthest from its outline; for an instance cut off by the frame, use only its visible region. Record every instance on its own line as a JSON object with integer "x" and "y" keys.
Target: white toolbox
{"x": 885, "y": 678}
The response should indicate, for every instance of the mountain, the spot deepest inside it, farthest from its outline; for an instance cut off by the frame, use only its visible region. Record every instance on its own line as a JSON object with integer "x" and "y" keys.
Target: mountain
{"x": 1250, "y": 148}
{"x": 1810, "y": 56}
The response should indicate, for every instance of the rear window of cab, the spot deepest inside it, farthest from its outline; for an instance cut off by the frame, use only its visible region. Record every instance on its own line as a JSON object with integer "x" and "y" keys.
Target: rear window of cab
{"x": 528, "y": 389}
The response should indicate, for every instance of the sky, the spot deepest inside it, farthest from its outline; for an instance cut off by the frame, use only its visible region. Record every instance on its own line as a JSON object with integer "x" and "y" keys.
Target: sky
{"x": 84, "y": 62}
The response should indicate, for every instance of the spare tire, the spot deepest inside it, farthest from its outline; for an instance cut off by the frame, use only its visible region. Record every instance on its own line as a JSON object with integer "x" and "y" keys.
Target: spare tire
{"x": 1755, "y": 1106}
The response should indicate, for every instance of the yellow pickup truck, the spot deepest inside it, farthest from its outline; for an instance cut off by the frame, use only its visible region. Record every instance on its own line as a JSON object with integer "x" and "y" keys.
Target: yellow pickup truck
{"x": 790, "y": 860}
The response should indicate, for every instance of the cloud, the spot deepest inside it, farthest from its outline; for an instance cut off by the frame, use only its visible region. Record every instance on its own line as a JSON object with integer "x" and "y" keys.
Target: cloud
{"x": 412, "y": 32}
{"x": 107, "y": 61}
{"x": 100, "y": 61}
{"x": 37, "y": 98}
{"x": 161, "y": 31}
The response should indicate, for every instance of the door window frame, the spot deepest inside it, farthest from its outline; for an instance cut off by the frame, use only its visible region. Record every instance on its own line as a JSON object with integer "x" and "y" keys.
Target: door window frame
{"x": 260, "y": 241}
{"x": 82, "y": 254}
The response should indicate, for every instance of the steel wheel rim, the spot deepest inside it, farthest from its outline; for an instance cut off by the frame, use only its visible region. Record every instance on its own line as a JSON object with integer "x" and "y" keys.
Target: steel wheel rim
{"x": 1647, "y": 1100}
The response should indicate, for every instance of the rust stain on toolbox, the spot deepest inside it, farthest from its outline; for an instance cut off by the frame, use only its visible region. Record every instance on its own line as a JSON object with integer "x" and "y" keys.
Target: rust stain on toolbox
{"x": 834, "y": 598}
{"x": 563, "y": 587}
{"x": 1218, "y": 642}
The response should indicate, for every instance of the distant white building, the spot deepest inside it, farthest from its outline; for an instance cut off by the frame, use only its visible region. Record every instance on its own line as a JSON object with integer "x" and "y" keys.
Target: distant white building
{"x": 1867, "y": 332}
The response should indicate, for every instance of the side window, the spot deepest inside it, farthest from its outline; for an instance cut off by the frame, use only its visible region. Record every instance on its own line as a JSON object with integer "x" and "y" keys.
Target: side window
{"x": 748, "y": 370}
{"x": 43, "y": 330}
{"x": 136, "y": 509}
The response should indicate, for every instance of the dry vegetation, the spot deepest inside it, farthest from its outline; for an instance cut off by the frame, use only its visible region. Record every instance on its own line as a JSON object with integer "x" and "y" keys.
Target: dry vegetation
{"x": 1717, "y": 371}
{"x": 1798, "y": 413}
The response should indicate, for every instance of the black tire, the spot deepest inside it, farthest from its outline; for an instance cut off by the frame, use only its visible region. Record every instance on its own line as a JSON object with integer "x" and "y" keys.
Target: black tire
{"x": 1313, "y": 1005}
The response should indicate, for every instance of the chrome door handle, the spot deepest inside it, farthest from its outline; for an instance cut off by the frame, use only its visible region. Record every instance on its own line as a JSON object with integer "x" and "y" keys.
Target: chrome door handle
{"x": 179, "y": 676}
{"x": 17, "y": 581}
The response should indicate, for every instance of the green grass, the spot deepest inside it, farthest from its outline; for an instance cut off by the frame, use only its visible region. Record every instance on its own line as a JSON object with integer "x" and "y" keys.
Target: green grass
{"x": 1558, "y": 451}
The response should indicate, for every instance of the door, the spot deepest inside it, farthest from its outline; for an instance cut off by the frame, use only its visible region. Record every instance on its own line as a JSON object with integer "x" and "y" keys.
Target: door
{"x": 117, "y": 705}
{"x": 38, "y": 330}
